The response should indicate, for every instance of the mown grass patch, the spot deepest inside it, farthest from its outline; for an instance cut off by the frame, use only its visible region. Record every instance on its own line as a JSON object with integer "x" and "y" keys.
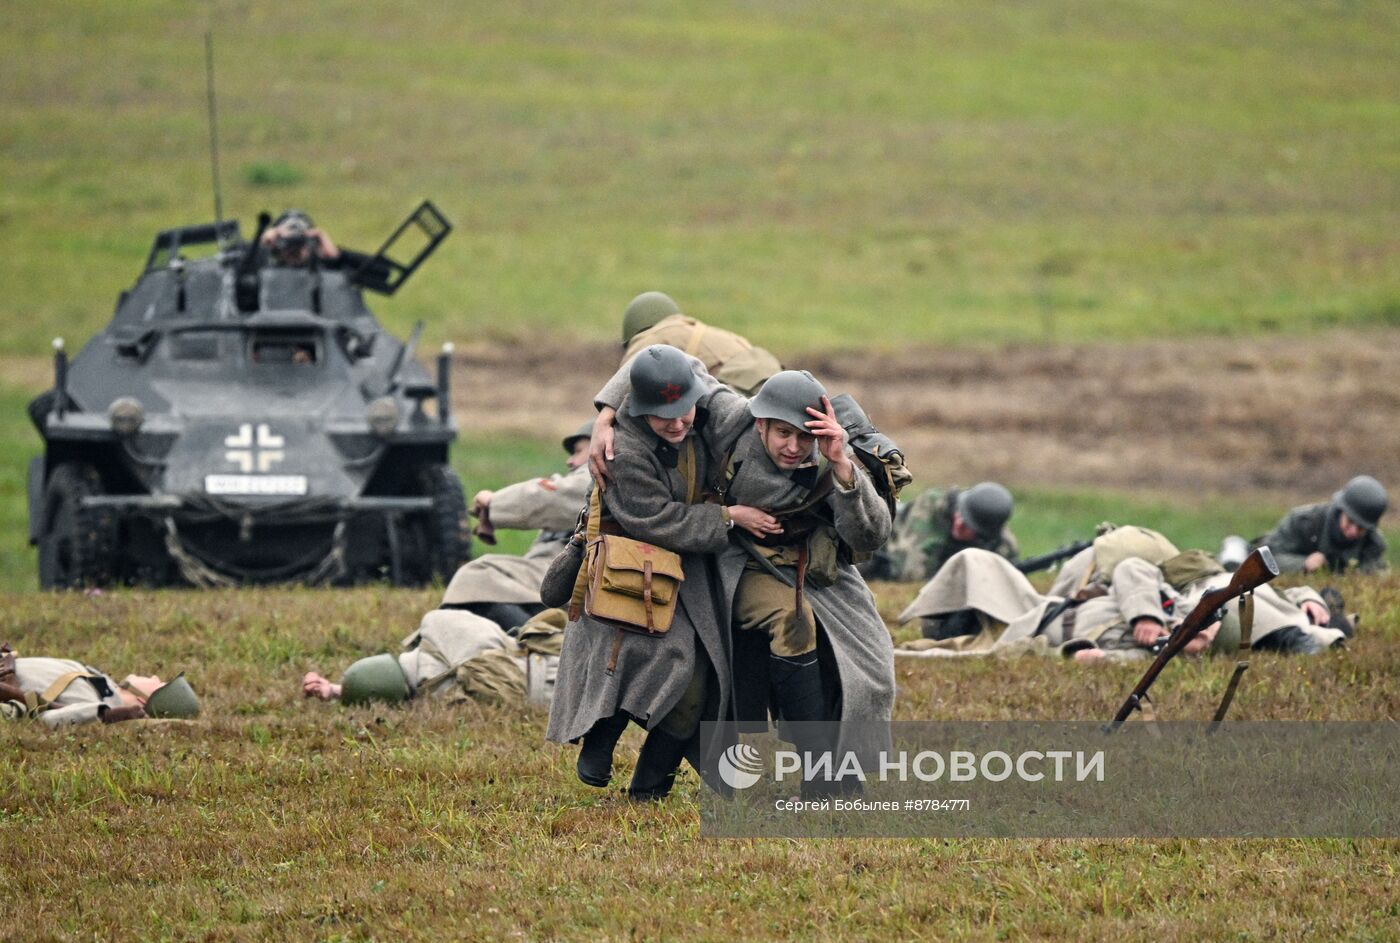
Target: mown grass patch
{"x": 276, "y": 817}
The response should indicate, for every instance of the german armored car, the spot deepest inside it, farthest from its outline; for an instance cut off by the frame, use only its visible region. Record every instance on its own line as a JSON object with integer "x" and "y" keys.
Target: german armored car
{"x": 242, "y": 421}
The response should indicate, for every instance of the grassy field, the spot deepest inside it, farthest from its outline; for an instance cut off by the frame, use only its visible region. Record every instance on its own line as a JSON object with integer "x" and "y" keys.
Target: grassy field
{"x": 955, "y": 171}
{"x": 271, "y": 817}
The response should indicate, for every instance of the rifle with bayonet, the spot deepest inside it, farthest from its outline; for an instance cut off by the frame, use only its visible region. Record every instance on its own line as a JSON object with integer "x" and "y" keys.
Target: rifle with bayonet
{"x": 1258, "y": 568}
{"x": 1036, "y": 564}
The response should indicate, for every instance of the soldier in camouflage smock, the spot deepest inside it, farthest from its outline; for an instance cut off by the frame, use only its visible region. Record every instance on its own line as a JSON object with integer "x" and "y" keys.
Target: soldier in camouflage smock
{"x": 934, "y": 526}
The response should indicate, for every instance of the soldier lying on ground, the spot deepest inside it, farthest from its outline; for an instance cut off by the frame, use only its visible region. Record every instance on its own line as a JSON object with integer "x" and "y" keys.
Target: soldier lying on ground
{"x": 504, "y": 588}
{"x": 1338, "y": 534}
{"x": 1118, "y": 606}
{"x": 458, "y": 656}
{"x": 937, "y": 524}
{"x": 63, "y": 692}
{"x": 654, "y": 318}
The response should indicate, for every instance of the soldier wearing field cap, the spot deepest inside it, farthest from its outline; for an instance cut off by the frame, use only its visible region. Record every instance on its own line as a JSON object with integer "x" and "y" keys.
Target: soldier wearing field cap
{"x": 62, "y": 692}
{"x": 506, "y": 588}
{"x": 935, "y": 525}
{"x": 655, "y": 318}
{"x": 1340, "y": 534}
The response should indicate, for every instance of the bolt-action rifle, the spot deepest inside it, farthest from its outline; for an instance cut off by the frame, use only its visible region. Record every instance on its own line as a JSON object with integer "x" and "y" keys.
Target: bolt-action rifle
{"x": 1257, "y": 569}
{"x": 1036, "y": 564}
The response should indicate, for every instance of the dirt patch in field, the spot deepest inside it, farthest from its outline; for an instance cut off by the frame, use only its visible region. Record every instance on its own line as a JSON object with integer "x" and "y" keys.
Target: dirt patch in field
{"x": 1289, "y": 415}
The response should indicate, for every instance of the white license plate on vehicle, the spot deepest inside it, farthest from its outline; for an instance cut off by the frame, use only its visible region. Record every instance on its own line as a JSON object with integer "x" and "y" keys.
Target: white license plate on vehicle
{"x": 255, "y": 484}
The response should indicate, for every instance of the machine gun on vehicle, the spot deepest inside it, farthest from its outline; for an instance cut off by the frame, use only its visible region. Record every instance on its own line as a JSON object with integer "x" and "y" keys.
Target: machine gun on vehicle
{"x": 1258, "y": 568}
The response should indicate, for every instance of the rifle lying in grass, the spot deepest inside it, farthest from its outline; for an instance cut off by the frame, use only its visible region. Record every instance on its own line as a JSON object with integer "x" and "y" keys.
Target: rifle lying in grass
{"x": 1035, "y": 564}
{"x": 1257, "y": 569}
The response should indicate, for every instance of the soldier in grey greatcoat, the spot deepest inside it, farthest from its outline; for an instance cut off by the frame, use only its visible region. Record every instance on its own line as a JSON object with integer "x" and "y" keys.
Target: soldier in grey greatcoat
{"x": 1338, "y": 534}
{"x": 822, "y": 652}
{"x": 505, "y": 588}
{"x": 656, "y": 494}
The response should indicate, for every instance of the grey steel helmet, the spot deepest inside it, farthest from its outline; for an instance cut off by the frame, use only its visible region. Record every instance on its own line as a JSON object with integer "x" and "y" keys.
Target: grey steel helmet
{"x": 785, "y": 397}
{"x": 986, "y": 508}
{"x": 646, "y": 310}
{"x": 175, "y": 698}
{"x": 377, "y": 678}
{"x": 1364, "y": 500}
{"x": 584, "y": 431}
{"x": 663, "y": 383}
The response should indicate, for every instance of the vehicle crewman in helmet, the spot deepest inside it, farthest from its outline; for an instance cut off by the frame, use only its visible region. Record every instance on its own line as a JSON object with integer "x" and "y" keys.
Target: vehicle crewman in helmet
{"x": 62, "y": 692}
{"x": 937, "y": 524}
{"x": 654, "y": 318}
{"x": 1339, "y": 534}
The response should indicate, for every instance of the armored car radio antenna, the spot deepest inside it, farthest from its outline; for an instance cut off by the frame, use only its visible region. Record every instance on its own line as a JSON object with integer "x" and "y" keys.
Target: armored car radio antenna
{"x": 214, "y": 134}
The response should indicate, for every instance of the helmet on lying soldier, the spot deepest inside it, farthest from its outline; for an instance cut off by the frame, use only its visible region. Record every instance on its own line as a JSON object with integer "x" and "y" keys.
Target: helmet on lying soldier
{"x": 786, "y": 396}
{"x": 663, "y": 383}
{"x": 646, "y": 310}
{"x": 377, "y": 678}
{"x": 175, "y": 698}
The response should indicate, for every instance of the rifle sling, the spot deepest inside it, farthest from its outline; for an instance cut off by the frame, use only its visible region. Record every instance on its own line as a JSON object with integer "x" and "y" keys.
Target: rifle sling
{"x": 1241, "y": 666}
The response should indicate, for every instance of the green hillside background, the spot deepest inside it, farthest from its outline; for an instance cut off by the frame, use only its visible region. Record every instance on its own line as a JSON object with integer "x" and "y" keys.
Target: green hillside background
{"x": 811, "y": 174}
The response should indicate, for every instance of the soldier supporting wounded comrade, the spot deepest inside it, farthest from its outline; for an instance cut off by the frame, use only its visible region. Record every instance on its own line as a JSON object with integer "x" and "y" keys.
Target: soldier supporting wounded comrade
{"x": 62, "y": 692}
{"x": 504, "y": 588}
{"x": 809, "y": 641}
{"x": 937, "y": 524}
{"x": 1340, "y": 534}
{"x": 667, "y": 682}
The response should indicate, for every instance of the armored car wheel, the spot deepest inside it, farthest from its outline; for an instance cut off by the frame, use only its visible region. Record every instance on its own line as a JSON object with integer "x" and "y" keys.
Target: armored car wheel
{"x": 78, "y": 545}
{"x": 448, "y": 528}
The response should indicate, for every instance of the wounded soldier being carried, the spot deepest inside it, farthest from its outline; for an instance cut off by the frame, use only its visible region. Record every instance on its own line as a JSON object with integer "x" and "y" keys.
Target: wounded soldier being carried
{"x": 1117, "y": 599}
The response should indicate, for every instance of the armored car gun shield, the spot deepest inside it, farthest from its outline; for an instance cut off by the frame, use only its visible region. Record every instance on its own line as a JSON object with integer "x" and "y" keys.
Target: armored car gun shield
{"x": 240, "y": 421}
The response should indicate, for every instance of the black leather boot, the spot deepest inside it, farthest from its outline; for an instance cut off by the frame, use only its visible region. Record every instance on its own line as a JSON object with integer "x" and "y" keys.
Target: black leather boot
{"x": 796, "y": 683}
{"x": 595, "y": 754}
{"x": 657, "y": 765}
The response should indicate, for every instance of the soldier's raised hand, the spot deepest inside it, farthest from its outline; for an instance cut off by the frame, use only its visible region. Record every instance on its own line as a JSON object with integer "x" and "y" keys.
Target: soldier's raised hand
{"x": 831, "y": 441}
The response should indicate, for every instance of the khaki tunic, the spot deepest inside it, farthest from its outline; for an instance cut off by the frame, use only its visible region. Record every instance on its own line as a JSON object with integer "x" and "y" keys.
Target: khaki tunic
{"x": 730, "y": 358}
{"x": 989, "y": 584}
{"x": 78, "y": 703}
{"x": 1273, "y": 610}
{"x": 550, "y": 505}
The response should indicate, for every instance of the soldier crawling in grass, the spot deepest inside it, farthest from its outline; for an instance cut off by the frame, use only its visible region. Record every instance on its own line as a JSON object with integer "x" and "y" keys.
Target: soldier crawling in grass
{"x": 935, "y": 525}
{"x": 1338, "y": 535}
